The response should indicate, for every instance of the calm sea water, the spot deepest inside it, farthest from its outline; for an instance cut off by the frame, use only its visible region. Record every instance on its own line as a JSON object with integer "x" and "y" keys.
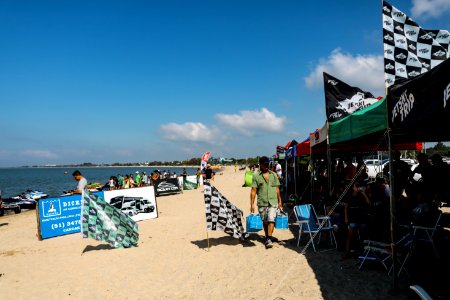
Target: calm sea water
{"x": 54, "y": 181}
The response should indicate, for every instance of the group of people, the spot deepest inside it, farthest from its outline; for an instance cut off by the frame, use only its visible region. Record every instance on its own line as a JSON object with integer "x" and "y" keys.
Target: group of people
{"x": 140, "y": 179}
{"x": 364, "y": 211}
{"x": 128, "y": 181}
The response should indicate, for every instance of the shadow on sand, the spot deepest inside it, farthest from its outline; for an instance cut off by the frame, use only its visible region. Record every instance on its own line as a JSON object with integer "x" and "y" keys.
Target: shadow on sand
{"x": 96, "y": 248}
{"x": 224, "y": 240}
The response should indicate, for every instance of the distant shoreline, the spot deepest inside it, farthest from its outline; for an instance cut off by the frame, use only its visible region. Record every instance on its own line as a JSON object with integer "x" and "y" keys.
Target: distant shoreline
{"x": 93, "y": 167}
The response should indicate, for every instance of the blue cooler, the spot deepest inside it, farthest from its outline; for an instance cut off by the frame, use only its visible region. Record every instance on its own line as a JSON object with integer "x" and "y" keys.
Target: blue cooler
{"x": 253, "y": 223}
{"x": 282, "y": 220}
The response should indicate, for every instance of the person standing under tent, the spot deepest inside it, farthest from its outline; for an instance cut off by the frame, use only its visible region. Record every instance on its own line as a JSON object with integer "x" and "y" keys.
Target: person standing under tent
{"x": 356, "y": 207}
{"x": 265, "y": 185}
{"x": 279, "y": 170}
{"x": 440, "y": 178}
{"x": 82, "y": 182}
{"x": 401, "y": 174}
{"x": 349, "y": 170}
{"x": 362, "y": 177}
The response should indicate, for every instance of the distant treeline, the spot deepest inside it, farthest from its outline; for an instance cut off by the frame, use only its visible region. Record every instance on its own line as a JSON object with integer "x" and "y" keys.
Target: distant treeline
{"x": 190, "y": 162}
{"x": 439, "y": 148}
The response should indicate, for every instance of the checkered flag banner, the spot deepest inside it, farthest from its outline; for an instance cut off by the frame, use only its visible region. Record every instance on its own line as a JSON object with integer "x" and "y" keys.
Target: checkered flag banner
{"x": 221, "y": 214}
{"x": 410, "y": 50}
{"x": 103, "y": 222}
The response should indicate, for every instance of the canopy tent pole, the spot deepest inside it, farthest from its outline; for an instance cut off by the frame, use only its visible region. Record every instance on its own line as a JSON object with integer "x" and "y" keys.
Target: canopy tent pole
{"x": 295, "y": 176}
{"x": 392, "y": 212}
{"x": 329, "y": 164}
{"x": 286, "y": 176}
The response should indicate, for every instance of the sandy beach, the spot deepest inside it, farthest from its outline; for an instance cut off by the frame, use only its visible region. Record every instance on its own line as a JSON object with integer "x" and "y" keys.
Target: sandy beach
{"x": 173, "y": 261}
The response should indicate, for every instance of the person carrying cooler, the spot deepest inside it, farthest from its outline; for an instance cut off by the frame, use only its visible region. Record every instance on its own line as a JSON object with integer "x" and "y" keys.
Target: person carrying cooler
{"x": 265, "y": 184}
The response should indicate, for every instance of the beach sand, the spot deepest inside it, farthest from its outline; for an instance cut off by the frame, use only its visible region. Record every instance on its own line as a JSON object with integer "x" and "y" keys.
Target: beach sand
{"x": 173, "y": 261}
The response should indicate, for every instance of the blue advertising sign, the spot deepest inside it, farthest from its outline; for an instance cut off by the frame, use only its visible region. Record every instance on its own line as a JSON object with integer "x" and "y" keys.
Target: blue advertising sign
{"x": 59, "y": 216}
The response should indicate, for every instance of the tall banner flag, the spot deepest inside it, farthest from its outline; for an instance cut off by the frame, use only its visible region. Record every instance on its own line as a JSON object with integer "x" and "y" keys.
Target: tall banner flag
{"x": 410, "y": 50}
{"x": 342, "y": 99}
{"x": 103, "y": 222}
{"x": 419, "y": 108}
{"x": 221, "y": 214}
{"x": 205, "y": 158}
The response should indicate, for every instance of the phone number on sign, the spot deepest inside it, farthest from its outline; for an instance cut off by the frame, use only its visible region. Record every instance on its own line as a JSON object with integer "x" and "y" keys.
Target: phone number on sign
{"x": 66, "y": 224}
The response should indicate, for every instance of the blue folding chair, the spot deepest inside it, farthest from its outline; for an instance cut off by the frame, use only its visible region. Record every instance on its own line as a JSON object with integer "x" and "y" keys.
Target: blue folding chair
{"x": 312, "y": 225}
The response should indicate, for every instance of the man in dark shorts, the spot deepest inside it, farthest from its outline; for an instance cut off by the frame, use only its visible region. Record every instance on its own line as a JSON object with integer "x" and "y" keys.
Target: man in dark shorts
{"x": 265, "y": 184}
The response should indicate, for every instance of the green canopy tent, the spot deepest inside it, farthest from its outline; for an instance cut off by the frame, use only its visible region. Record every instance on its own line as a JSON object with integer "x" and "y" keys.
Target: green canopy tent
{"x": 364, "y": 131}
{"x": 369, "y": 120}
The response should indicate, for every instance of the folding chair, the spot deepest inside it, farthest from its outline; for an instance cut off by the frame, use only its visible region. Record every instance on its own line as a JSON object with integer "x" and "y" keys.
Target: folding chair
{"x": 309, "y": 223}
{"x": 382, "y": 253}
{"x": 426, "y": 234}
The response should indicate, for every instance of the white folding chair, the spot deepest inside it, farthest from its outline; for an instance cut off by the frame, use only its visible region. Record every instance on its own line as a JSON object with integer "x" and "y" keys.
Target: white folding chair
{"x": 426, "y": 234}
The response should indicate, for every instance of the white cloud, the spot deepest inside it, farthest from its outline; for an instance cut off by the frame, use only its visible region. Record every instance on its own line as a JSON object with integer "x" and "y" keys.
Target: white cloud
{"x": 363, "y": 71}
{"x": 39, "y": 154}
{"x": 189, "y": 131}
{"x": 430, "y": 8}
{"x": 252, "y": 123}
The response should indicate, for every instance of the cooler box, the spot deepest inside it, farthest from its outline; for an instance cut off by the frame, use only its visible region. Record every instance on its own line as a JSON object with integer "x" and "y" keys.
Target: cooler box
{"x": 253, "y": 223}
{"x": 281, "y": 221}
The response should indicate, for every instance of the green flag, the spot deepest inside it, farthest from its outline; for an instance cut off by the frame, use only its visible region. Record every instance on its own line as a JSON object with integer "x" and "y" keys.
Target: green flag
{"x": 103, "y": 222}
{"x": 188, "y": 184}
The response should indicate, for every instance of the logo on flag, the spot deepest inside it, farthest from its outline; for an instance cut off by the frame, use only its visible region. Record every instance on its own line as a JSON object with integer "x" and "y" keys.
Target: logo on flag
{"x": 342, "y": 99}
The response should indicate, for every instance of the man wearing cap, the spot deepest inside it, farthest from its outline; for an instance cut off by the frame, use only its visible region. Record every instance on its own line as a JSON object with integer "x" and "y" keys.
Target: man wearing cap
{"x": 265, "y": 184}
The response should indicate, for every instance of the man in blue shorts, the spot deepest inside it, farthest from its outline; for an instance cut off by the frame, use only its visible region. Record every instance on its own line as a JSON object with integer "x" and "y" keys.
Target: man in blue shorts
{"x": 265, "y": 184}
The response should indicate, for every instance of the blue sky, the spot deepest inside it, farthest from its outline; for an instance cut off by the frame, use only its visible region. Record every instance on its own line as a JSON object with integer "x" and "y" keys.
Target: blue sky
{"x": 132, "y": 81}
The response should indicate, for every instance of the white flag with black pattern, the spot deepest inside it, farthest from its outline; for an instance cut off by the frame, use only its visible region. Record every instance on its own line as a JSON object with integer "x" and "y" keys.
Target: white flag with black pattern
{"x": 410, "y": 50}
{"x": 221, "y": 214}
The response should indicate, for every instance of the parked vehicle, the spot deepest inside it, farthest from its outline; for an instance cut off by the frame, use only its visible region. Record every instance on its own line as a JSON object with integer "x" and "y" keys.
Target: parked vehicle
{"x": 411, "y": 162}
{"x": 4, "y": 206}
{"x": 375, "y": 166}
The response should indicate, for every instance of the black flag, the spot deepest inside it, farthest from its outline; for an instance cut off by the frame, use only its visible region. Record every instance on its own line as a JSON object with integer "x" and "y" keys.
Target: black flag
{"x": 342, "y": 99}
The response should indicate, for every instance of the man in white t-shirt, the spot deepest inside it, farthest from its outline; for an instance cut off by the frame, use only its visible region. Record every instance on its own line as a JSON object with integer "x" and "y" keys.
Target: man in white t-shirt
{"x": 82, "y": 182}
{"x": 278, "y": 170}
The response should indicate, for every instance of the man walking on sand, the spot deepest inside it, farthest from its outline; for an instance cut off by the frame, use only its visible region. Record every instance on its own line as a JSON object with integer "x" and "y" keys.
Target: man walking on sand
{"x": 265, "y": 184}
